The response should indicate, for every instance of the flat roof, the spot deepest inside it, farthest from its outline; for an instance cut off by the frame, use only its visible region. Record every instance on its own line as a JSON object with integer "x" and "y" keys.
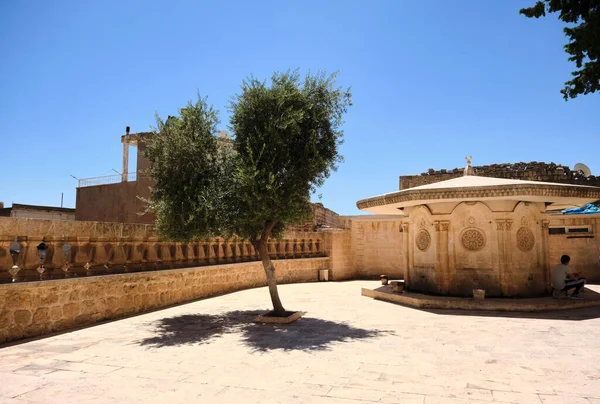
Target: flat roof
{"x": 41, "y": 207}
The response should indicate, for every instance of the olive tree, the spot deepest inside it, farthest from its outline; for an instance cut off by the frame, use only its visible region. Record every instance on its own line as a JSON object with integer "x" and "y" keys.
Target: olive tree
{"x": 286, "y": 138}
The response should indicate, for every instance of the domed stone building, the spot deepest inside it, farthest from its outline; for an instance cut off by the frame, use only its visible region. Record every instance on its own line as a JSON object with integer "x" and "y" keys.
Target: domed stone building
{"x": 473, "y": 232}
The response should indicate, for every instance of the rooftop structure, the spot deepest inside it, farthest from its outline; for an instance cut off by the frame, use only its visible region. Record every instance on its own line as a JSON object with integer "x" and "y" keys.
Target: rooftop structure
{"x": 37, "y": 212}
{"x": 118, "y": 198}
{"x": 528, "y": 171}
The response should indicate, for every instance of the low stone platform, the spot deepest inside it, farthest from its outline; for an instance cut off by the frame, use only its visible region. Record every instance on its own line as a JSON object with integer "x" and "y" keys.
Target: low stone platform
{"x": 590, "y": 298}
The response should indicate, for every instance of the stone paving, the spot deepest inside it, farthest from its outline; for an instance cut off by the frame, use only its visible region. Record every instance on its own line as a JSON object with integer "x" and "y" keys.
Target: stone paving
{"x": 347, "y": 349}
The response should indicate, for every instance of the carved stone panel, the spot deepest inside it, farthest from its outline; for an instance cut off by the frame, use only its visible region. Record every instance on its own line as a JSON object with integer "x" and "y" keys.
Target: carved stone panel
{"x": 473, "y": 239}
{"x": 525, "y": 239}
{"x": 423, "y": 240}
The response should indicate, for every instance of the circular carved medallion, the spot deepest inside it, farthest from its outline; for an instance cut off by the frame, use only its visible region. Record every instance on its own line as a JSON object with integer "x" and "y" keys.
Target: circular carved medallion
{"x": 473, "y": 240}
{"x": 525, "y": 239}
{"x": 423, "y": 240}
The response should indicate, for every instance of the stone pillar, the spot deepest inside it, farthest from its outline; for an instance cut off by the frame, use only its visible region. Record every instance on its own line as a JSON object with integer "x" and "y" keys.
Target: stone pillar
{"x": 504, "y": 258}
{"x": 546, "y": 256}
{"x": 442, "y": 270}
{"x": 125, "y": 161}
{"x": 508, "y": 257}
{"x": 407, "y": 254}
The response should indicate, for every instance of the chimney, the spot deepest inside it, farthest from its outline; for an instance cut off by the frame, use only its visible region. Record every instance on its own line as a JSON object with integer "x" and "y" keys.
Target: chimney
{"x": 127, "y": 130}
{"x": 1, "y": 205}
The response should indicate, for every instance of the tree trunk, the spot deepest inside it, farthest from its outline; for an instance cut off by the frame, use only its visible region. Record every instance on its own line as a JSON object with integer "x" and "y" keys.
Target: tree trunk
{"x": 261, "y": 247}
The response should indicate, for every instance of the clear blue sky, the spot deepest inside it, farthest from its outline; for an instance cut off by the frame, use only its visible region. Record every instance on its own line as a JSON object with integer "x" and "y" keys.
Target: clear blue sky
{"x": 432, "y": 82}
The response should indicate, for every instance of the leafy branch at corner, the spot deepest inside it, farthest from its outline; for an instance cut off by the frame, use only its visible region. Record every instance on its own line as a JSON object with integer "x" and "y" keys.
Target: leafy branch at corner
{"x": 584, "y": 40}
{"x": 286, "y": 139}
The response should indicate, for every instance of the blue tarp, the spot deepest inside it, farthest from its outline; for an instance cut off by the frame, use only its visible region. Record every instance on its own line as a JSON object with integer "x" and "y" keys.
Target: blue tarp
{"x": 589, "y": 208}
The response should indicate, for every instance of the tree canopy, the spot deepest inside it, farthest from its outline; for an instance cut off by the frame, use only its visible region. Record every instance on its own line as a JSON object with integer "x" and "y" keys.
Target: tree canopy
{"x": 286, "y": 139}
{"x": 190, "y": 173}
{"x": 584, "y": 40}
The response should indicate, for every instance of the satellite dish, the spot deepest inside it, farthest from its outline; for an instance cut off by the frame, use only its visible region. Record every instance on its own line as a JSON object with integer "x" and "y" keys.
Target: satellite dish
{"x": 583, "y": 169}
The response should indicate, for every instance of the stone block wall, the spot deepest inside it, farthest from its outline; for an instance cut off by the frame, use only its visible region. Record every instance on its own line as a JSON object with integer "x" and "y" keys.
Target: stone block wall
{"x": 584, "y": 249}
{"x": 34, "y": 309}
{"x": 326, "y": 217}
{"x": 323, "y": 218}
{"x": 338, "y": 247}
{"x": 118, "y": 202}
{"x": 13, "y": 226}
{"x": 376, "y": 246}
{"x": 532, "y": 171}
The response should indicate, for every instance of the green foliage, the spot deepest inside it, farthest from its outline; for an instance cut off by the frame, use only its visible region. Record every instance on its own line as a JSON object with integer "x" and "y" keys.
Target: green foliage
{"x": 189, "y": 171}
{"x": 287, "y": 138}
{"x": 286, "y": 142}
{"x": 584, "y": 40}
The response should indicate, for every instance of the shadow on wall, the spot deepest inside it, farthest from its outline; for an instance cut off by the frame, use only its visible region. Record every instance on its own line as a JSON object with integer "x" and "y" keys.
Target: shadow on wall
{"x": 306, "y": 334}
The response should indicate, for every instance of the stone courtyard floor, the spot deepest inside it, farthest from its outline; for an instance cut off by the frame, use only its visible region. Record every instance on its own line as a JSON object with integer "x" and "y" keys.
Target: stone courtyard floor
{"x": 347, "y": 349}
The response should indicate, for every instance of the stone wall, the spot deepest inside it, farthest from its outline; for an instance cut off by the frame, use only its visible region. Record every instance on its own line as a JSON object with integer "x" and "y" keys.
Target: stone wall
{"x": 532, "y": 171}
{"x": 583, "y": 248}
{"x": 118, "y": 202}
{"x": 326, "y": 218}
{"x": 376, "y": 246}
{"x": 12, "y": 226}
{"x": 338, "y": 247}
{"x": 34, "y": 309}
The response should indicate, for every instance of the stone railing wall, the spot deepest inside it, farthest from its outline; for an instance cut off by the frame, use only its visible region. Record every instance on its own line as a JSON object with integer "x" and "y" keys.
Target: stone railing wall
{"x": 109, "y": 255}
{"x": 37, "y": 308}
{"x": 532, "y": 171}
{"x": 13, "y": 226}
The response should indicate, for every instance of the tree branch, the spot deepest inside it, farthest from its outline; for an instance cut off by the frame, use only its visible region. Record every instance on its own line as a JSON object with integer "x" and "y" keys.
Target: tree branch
{"x": 268, "y": 229}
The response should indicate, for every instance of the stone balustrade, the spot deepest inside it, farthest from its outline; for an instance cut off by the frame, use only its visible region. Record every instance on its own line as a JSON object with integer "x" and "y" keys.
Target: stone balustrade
{"x": 109, "y": 255}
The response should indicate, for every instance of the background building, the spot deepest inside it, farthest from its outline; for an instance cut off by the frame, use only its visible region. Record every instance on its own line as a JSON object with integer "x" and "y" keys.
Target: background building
{"x": 118, "y": 198}
{"x": 37, "y": 212}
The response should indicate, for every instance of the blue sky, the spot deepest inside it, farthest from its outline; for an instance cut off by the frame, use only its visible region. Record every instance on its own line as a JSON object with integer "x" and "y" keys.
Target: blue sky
{"x": 432, "y": 82}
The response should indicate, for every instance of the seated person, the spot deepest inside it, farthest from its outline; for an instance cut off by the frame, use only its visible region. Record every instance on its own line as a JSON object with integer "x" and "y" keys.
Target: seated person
{"x": 564, "y": 279}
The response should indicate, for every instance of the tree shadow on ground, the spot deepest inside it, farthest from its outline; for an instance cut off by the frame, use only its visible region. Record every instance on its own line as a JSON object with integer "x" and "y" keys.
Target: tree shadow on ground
{"x": 306, "y": 334}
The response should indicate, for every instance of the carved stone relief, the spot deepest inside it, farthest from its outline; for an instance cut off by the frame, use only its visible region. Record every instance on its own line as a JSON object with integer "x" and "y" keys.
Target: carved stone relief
{"x": 423, "y": 240}
{"x": 473, "y": 239}
{"x": 503, "y": 224}
{"x": 525, "y": 239}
